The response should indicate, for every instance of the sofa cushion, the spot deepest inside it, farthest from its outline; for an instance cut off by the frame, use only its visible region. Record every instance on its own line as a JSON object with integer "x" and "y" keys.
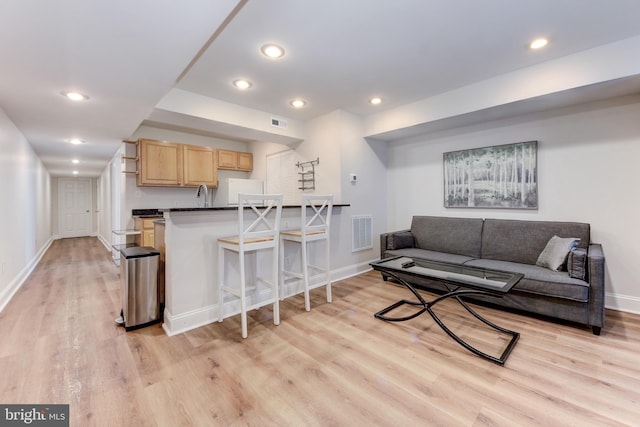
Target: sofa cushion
{"x": 430, "y": 255}
{"x": 461, "y": 236}
{"x": 577, "y": 264}
{"x": 554, "y": 255}
{"x": 539, "y": 280}
{"x": 400, "y": 240}
{"x": 523, "y": 241}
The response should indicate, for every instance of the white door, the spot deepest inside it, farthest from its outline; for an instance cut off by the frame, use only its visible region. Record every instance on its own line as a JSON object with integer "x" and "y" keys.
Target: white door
{"x": 74, "y": 207}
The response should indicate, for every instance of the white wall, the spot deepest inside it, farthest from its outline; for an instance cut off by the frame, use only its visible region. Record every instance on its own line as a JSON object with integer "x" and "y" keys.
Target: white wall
{"x": 336, "y": 139}
{"x": 25, "y": 217}
{"x": 587, "y": 172}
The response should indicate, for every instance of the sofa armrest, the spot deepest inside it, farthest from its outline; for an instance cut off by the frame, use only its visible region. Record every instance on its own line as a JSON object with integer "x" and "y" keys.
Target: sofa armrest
{"x": 596, "y": 275}
{"x": 396, "y": 240}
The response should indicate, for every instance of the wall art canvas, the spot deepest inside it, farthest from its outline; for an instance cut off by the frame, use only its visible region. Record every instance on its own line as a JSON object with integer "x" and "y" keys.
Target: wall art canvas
{"x": 501, "y": 176}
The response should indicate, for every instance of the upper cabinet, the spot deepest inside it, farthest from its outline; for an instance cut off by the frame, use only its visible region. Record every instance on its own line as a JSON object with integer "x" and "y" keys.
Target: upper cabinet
{"x": 235, "y": 160}
{"x": 169, "y": 164}
{"x": 199, "y": 166}
{"x": 159, "y": 163}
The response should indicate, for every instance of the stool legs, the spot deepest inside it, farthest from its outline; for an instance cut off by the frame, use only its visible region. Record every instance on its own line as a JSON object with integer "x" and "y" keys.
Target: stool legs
{"x": 275, "y": 287}
{"x": 243, "y": 297}
{"x": 327, "y": 250}
{"x": 220, "y": 283}
{"x": 305, "y": 276}
{"x": 242, "y": 293}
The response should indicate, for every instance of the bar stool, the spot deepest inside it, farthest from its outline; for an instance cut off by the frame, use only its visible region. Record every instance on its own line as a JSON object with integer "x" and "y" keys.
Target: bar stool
{"x": 258, "y": 231}
{"x": 316, "y": 228}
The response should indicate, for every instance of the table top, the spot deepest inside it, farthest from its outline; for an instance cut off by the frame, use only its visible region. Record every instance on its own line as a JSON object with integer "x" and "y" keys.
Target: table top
{"x": 458, "y": 275}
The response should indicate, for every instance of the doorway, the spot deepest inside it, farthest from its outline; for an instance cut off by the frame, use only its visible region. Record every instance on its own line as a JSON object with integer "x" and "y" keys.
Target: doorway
{"x": 74, "y": 207}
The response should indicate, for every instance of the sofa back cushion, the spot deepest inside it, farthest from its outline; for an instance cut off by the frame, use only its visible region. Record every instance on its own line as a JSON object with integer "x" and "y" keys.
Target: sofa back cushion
{"x": 460, "y": 236}
{"x": 523, "y": 241}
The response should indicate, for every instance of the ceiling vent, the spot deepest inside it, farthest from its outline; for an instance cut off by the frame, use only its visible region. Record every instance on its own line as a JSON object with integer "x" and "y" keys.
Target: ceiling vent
{"x": 279, "y": 123}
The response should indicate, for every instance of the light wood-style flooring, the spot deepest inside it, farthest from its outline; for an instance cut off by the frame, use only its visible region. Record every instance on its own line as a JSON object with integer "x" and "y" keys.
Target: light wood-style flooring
{"x": 334, "y": 366}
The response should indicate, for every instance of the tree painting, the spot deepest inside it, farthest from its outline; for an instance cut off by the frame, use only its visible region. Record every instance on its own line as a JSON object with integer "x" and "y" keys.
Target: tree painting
{"x": 502, "y": 176}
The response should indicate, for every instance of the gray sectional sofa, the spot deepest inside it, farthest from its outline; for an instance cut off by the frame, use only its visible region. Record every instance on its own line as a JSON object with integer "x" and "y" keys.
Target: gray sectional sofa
{"x": 575, "y": 293}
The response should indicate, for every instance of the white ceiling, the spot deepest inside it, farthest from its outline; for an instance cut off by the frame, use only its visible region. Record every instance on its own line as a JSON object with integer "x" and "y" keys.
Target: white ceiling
{"x": 127, "y": 55}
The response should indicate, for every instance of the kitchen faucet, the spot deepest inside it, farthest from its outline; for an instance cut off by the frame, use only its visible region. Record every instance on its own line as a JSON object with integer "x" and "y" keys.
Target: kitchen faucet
{"x": 203, "y": 188}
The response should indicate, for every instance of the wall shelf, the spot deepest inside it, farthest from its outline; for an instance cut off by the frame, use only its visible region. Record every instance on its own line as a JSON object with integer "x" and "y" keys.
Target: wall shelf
{"x": 307, "y": 177}
{"x": 125, "y": 159}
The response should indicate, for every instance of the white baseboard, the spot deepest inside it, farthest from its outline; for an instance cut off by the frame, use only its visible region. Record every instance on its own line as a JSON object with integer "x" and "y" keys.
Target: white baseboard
{"x": 104, "y": 242}
{"x": 19, "y": 280}
{"x": 183, "y": 322}
{"x": 625, "y": 303}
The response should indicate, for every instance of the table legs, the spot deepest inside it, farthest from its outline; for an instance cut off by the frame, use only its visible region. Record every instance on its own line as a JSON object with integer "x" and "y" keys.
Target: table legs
{"x": 455, "y": 293}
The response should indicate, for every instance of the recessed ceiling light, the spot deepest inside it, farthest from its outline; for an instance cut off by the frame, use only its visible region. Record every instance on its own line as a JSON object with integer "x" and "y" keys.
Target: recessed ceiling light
{"x": 375, "y": 100}
{"x": 297, "y": 103}
{"x": 75, "y": 161}
{"x": 539, "y": 43}
{"x": 76, "y": 141}
{"x": 75, "y": 96}
{"x": 242, "y": 84}
{"x": 272, "y": 51}
{"x": 75, "y": 172}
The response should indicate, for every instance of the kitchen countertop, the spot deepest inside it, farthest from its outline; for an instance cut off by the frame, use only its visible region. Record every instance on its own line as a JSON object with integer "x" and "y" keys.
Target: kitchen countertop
{"x": 234, "y": 207}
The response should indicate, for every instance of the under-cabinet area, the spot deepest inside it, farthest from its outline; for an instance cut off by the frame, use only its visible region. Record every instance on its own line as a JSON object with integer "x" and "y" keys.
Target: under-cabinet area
{"x": 147, "y": 230}
{"x": 172, "y": 164}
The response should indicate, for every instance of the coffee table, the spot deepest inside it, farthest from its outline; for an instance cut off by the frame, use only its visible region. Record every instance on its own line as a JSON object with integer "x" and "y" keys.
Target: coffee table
{"x": 459, "y": 281}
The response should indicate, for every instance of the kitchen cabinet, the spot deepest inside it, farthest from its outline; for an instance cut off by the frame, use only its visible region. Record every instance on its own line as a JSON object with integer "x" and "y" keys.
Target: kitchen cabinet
{"x": 159, "y": 163}
{"x": 170, "y": 164}
{"x": 235, "y": 160}
{"x": 147, "y": 231}
{"x": 199, "y": 166}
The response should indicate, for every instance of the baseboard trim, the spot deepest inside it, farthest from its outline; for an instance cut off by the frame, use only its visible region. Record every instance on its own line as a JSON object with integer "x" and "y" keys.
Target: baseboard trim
{"x": 177, "y": 324}
{"x": 626, "y": 303}
{"x": 104, "y": 242}
{"x": 18, "y": 281}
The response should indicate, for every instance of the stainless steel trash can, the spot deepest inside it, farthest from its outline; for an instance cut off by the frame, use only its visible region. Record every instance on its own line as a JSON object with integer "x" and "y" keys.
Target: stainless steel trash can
{"x": 139, "y": 283}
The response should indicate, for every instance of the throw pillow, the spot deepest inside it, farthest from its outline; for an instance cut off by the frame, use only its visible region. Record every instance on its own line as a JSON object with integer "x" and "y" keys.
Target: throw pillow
{"x": 400, "y": 240}
{"x": 554, "y": 255}
{"x": 577, "y": 263}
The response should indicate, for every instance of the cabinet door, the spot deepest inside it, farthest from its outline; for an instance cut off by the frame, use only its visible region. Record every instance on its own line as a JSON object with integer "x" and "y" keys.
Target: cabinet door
{"x": 227, "y": 159}
{"x": 160, "y": 163}
{"x": 245, "y": 161}
{"x": 148, "y": 237}
{"x": 199, "y": 166}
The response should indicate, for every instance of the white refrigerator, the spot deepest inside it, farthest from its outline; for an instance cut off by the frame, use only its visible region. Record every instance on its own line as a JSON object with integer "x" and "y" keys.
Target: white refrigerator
{"x": 229, "y": 188}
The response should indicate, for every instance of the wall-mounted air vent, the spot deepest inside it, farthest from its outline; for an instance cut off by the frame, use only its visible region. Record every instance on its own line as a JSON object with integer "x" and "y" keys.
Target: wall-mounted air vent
{"x": 279, "y": 123}
{"x": 361, "y": 232}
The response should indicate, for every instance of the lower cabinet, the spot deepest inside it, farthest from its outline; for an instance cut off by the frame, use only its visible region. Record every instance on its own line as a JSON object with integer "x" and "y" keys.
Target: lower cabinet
{"x": 147, "y": 231}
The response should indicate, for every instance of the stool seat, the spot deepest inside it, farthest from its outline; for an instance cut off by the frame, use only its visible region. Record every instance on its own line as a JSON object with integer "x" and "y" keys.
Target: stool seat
{"x": 299, "y": 233}
{"x": 235, "y": 240}
{"x": 257, "y": 232}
